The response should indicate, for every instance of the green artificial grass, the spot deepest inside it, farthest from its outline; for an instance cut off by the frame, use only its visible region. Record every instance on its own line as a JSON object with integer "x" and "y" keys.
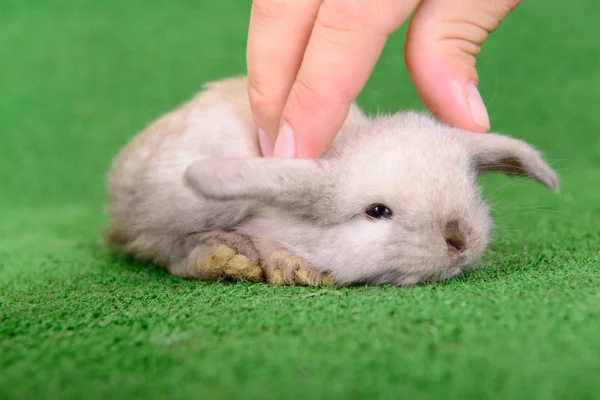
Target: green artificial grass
{"x": 79, "y": 77}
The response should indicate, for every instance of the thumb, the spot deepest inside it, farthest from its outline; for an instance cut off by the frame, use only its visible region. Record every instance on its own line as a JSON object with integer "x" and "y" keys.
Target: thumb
{"x": 443, "y": 39}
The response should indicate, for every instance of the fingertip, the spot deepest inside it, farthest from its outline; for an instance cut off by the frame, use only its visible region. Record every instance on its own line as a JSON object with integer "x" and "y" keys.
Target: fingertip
{"x": 477, "y": 108}
{"x": 313, "y": 136}
{"x": 444, "y": 39}
{"x": 309, "y": 142}
{"x": 285, "y": 145}
{"x": 447, "y": 86}
{"x": 266, "y": 144}
{"x": 313, "y": 120}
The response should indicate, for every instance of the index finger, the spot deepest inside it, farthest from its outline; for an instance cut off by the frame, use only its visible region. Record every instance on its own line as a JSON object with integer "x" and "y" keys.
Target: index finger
{"x": 277, "y": 36}
{"x": 346, "y": 41}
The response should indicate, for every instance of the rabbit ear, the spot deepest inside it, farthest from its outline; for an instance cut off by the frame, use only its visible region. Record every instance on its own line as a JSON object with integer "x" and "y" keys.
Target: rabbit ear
{"x": 288, "y": 183}
{"x": 498, "y": 153}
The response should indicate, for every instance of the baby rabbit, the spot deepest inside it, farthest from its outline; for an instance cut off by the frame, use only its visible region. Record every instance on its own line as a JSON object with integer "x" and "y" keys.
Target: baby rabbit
{"x": 394, "y": 200}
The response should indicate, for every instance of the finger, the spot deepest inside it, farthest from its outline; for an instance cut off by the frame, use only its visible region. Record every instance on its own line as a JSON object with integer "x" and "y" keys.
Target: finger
{"x": 344, "y": 46}
{"x": 277, "y": 37}
{"x": 443, "y": 40}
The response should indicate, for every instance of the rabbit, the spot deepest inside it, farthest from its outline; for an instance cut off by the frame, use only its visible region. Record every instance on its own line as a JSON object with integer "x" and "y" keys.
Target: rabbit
{"x": 394, "y": 200}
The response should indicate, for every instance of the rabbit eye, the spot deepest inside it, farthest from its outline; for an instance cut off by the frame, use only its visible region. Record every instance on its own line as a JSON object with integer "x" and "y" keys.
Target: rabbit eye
{"x": 379, "y": 211}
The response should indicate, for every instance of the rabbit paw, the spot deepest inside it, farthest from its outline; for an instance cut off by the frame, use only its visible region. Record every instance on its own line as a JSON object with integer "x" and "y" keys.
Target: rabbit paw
{"x": 222, "y": 262}
{"x": 294, "y": 270}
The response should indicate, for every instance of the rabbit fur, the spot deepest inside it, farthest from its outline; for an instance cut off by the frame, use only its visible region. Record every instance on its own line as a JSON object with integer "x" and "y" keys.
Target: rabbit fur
{"x": 191, "y": 193}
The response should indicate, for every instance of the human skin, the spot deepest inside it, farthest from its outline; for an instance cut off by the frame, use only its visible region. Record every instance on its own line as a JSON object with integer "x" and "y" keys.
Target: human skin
{"x": 308, "y": 61}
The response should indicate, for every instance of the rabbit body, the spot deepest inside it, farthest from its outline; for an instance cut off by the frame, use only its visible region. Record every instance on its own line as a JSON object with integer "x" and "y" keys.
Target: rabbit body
{"x": 394, "y": 200}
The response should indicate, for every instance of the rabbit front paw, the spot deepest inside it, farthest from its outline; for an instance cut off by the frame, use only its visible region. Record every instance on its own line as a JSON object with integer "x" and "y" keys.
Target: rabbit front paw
{"x": 291, "y": 270}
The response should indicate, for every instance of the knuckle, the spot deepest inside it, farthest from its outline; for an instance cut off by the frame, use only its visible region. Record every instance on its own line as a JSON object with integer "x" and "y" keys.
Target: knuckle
{"x": 307, "y": 92}
{"x": 261, "y": 97}
{"x": 467, "y": 24}
{"x": 312, "y": 99}
{"x": 466, "y": 36}
{"x": 266, "y": 103}
{"x": 256, "y": 94}
{"x": 338, "y": 89}
{"x": 454, "y": 35}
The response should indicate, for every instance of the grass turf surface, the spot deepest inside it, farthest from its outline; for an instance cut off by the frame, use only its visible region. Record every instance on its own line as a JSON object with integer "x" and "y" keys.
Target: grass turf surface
{"x": 78, "y": 78}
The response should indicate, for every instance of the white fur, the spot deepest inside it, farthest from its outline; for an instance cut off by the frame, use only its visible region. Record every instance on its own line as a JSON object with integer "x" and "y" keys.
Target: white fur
{"x": 198, "y": 169}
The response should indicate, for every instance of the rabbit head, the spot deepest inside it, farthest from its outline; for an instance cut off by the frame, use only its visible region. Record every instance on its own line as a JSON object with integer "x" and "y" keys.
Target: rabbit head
{"x": 395, "y": 199}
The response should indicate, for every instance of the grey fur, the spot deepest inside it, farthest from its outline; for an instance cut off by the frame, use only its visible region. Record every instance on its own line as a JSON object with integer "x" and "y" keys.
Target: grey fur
{"x": 196, "y": 173}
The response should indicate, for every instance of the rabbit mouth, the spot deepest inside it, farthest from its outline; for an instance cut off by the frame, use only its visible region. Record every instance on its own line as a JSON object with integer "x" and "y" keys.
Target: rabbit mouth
{"x": 460, "y": 260}
{"x": 465, "y": 261}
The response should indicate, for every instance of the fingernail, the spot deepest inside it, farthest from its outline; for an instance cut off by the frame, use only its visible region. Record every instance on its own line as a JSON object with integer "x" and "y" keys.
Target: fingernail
{"x": 478, "y": 111}
{"x": 285, "y": 146}
{"x": 266, "y": 144}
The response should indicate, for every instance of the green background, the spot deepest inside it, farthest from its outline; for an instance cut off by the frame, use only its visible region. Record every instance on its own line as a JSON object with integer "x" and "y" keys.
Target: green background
{"x": 79, "y": 77}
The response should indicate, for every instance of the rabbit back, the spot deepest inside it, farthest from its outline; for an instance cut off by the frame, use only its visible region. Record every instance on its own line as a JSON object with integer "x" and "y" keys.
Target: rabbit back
{"x": 150, "y": 205}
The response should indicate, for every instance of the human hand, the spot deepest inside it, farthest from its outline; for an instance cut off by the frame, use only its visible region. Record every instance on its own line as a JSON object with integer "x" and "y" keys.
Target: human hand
{"x": 309, "y": 59}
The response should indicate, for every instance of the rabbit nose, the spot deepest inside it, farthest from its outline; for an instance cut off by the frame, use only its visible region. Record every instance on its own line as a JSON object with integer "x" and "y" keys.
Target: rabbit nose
{"x": 455, "y": 239}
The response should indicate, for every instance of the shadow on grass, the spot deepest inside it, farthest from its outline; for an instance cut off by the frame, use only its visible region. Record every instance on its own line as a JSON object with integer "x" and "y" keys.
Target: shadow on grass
{"x": 499, "y": 265}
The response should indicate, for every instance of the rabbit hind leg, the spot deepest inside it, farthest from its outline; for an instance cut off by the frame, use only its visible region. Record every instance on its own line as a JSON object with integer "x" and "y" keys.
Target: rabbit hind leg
{"x": 214, "y": 256}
